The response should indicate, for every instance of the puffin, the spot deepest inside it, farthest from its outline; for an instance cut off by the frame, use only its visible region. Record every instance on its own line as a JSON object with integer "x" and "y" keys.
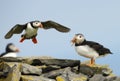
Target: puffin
{"x": 89, "y": 49}
{"x": 11, "y": 51}
{"x": 32, "y": 27}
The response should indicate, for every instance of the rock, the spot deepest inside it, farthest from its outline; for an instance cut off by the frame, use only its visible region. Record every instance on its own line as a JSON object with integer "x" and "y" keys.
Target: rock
{"x": 3, "y": 74}
{"x": 97, "y": 69}
{"x": 27, "y": 69}
{"x": 50, "y": 69}
{"x": 77, "y": 77}
{"x": 55, "y": 73}
{"x": 98, "y": 77}
{"x": 68, "y": 75}
{"x": 34, "y": 78}
{"x": 4, "y": 69}
{"x": 40, "y": 57}
{"x": 86, "y": 70}
{"x": 59, "y": 62}
{"x": 64, "y": 75}
{"x": 117, "y": 79}
{"x": 14, "y": 74}
{"x": 111, "y": 78}
{"x": 106, "y": 71}
{"x": 11, "y": 59}
{"x": 62, "y": 78}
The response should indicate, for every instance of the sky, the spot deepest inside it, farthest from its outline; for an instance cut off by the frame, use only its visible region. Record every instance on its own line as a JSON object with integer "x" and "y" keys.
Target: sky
{"x": 97, "y": 20}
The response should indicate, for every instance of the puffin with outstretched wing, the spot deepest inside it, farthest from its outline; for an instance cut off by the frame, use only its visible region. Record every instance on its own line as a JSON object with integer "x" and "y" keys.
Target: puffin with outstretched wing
{"x": 31, "y": 29}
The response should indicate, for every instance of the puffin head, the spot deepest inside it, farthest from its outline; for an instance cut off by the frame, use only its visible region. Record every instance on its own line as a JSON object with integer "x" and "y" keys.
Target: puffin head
{"x": 36, "y": 24}
{"x": 78, "y": 38}
{"x": 11, "y": 48}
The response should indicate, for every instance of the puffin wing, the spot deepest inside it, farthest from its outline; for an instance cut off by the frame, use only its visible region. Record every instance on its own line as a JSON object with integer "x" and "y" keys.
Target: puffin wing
{"x": 17, "y": 29}
{"x": 99, "y": 48}
{"x": 52, "y": 24}
{"x": 94, "y": 45}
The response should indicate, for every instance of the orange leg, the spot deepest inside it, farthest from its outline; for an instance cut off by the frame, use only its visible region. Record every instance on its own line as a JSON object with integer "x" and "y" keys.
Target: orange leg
{"x": 92, "y": 62}
{"x": 22, "y": 39}
{"x": 34, "y": 40}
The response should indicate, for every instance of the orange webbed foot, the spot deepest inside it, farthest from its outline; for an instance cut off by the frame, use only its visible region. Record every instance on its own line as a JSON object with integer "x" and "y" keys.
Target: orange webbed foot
{"x": 34, "y": 40}
{"x": 22, "y": 39}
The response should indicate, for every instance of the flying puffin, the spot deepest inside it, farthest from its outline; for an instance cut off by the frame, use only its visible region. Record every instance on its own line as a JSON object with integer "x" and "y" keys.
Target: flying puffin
{"x": 11, "y": 51}
{"x": 89, "y": 49}
{"x": 31, "y": 29}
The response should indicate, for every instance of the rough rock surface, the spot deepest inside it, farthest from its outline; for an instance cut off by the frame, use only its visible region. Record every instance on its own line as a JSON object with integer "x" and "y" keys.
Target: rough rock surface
{"x": 51, "y": 69}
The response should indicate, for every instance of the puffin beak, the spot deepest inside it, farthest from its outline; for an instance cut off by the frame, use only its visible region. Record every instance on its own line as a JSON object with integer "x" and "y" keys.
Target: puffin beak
{"x": 73, "y": 41}
{"x": 40, "y": 26}
{"x": 17, "y": 50}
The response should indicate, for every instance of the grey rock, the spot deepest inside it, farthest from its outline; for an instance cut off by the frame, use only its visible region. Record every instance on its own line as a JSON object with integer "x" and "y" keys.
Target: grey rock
{"x": 27, "y": 69}
{"x": 4, "y": 69}
{"x": 14, "y": 73}
{"x": 3, "y": 74}
{"x": 55, "y": 73}
{"x": 35, "y": 78}
{"x": 50, "y": 68}
{"x": 106, "y": 71}
{"x": 111, "y": 78}
{"x": 98, "y": 77}
{"x": 59, "y": 62}
{"x": 77, "y": 77}
{"x": 68, "y": 75}
{"x": 97, "y": 69}
{"x": 11, "y": 59}
{"x": 65, "y": 74}
{"x": 86, "y": 70}
{"x": 37, "y": 69}
{"x": 117, "y": 79}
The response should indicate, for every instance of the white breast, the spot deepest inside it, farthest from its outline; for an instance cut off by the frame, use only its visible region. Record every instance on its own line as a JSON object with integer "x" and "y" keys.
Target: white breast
{"x": 10, "y": 55}
{"x": 86, "y": 51}
{"x": 30, "y": 31}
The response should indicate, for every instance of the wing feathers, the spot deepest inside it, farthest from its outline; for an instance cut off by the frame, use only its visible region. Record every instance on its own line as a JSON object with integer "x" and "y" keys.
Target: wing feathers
{"x": 99, "y": 48}
{"x": 52, "y": 24}
{"x": 15, "y": 30}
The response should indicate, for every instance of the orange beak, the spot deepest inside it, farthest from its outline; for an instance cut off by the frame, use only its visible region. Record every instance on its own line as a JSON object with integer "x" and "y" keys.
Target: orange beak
{"x": 41, "y": 26}
{"x": 73, "y": 40}
{"x": 17, "y": 50}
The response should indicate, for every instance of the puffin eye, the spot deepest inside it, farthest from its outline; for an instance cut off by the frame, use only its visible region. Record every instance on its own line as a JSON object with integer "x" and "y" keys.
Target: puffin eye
{"x": 80, "y": 36}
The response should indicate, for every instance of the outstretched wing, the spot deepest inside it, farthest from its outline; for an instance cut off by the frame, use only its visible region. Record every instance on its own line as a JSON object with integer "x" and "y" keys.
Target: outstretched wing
{"x": 52, "y": 24}
{"x": 17, "y": 29}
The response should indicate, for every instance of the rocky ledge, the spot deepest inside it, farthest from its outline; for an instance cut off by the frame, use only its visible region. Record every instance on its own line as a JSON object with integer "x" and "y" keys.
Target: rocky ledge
{"x": 50, "y": 69}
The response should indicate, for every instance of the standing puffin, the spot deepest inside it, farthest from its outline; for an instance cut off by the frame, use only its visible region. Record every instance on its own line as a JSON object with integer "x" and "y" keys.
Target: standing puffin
{"x": 89, "y": 49}
{"x": 11, "y": 51}
{"x": 31, "y": 29}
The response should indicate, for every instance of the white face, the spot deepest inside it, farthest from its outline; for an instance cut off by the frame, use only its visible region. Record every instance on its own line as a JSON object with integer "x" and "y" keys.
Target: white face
{"x": 14, "y": 48}
{"x": 79, "y": 38}
{"x": 37, "y": 24}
